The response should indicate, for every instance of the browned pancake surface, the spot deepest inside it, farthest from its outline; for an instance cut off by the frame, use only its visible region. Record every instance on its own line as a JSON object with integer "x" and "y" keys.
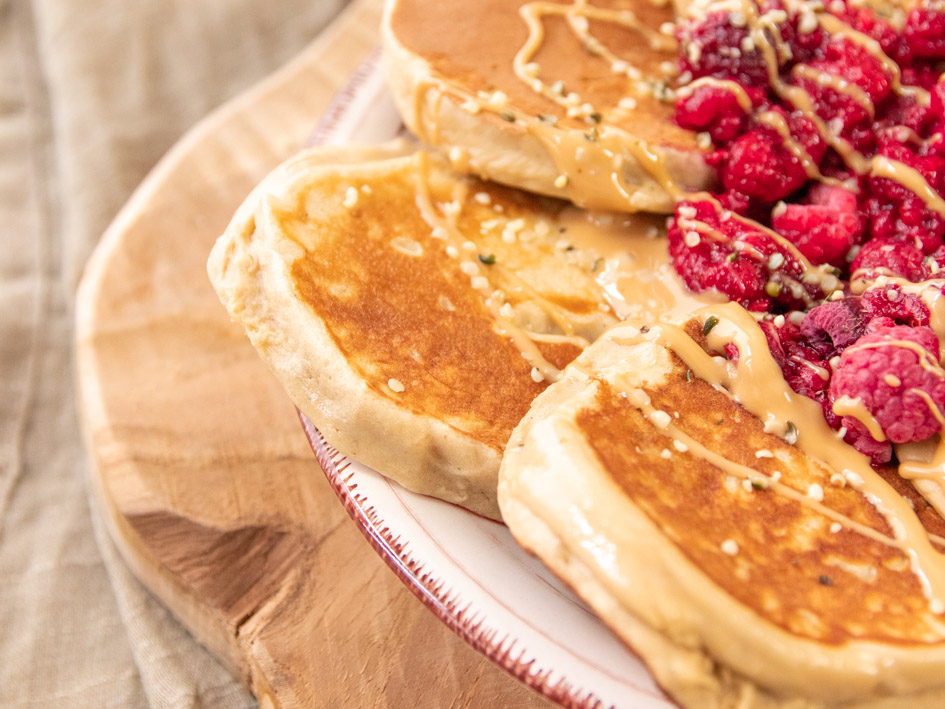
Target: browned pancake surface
{"x": 482, "y": 60}
{"x": 415, "y": 319}
{"x": 790, "y": 568}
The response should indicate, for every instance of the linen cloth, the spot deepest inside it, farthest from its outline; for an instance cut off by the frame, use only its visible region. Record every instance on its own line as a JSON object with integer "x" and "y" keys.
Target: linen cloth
{"x": 91, "y": 95}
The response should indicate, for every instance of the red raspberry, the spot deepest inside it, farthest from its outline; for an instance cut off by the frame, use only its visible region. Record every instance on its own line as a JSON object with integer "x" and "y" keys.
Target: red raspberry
{"x": 890, "y": 304}
{"x": 716, "y": 110}
{"x": 895, "y": 211}
{"x": 738, "y": 258}
{"x": 825, "y": 227}
{"x": 884, "y": 371}
{"x": 840, "y": 322}
{"x": 701, "y": 51}
{"x": 863, "y": 20}
{"x": 804, "y": 367}
{"x": 925, "y": 33}
{"x": 938, "y": 101}
{"x": 885, "y": 256}
{"x": 760, "y": 167}
{"x": 853, "y": 64}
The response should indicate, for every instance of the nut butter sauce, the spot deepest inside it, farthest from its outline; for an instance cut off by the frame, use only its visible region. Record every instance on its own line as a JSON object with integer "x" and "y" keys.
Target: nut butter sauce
{"x": 594, "y": 166}
{"x": 756, "y": 383}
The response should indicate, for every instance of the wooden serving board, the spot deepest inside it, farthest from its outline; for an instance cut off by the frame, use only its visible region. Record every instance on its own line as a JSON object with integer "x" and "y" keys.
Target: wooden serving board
{"x": 206, "y": 479}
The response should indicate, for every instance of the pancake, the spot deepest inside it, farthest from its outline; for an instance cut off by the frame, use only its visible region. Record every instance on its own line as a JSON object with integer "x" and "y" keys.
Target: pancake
{"x": 585, "y": 112}
{"x": 658, "y": 479}
{"x": 411, "y": 313}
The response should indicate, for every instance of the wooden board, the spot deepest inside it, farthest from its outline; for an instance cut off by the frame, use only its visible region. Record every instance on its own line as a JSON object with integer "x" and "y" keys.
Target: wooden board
{"x": 208, "y": 484}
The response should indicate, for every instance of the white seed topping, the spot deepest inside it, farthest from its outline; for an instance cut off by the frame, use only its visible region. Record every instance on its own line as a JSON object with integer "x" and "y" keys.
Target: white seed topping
{"x": 471, "y": 106}
{"x": 730, "y": 547}
{"x": 395, "y": 385}
{"x": 498, "y": 99}
{"x": 764, "y": 453}
{"x": 666, "y": 454}
{"x": 680, "y": 446}
{"x": 536, "y": 375}
{"x": 836, "y": 527}
{"x": 660, "y": 419}
{"x": 815, "y": 492}
{"x": 469, "y": 268}
{"x": 351, "y": 198}
{"x": 561, "y": 181}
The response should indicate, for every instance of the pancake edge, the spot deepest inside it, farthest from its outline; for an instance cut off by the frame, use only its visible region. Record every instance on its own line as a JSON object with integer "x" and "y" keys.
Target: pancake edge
{"x": 252, "y": 280}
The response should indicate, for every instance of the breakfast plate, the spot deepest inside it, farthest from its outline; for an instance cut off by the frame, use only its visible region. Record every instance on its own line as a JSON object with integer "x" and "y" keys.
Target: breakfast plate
{"x": 468, "y": 570}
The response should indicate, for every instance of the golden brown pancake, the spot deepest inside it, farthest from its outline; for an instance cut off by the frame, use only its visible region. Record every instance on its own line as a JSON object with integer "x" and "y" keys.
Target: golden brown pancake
{"x": 742, "y": 569}
{"x": 594, "y": 127}
{"x": 411, "y": 313}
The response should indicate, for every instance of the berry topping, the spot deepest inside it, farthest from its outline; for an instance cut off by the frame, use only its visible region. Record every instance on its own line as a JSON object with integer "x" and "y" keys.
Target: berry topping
{"x": 706, "y": 51}
{"x": 841, "y": 323}
{"x": 889, "y": 257}
{"x": 825, "y": 227}
{"x": 893, "y": 374}
{"x": 712, "y": 248}
{"x": 837, "y": 166}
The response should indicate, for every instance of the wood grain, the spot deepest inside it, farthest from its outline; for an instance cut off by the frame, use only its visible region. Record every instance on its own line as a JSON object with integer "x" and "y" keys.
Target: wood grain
{"x": 210, "y": 489}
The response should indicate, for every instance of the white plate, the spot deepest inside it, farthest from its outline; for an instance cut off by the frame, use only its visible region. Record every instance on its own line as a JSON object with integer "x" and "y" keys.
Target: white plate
{"x": 467, "y": 569}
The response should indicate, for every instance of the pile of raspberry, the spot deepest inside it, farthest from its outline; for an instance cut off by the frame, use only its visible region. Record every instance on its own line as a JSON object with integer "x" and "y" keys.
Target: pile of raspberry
{"x": 854, "y": 227}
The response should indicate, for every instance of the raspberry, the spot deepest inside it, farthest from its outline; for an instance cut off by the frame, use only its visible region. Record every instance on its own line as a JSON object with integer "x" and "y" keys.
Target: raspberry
{"x": 884, "y": 371}
{"x": 892, "y": 305}
{"x": 840, "y": 322}
{"x": 863, "y": 20}
{"x": 925, "y": 33}
{"x": 760, "y": 167}
{"x": 804, "y": 367}
{"x": 716, "y": 110}
{"x": 855, "y": 65}
{"x": 735, "y": 257}
{"x": 825, "y": 228}
{"x": 885, "y": 256}
{"x": 896, "y": 211}
{"x": 938, "y": 101}
{"x": 701, "y": 42}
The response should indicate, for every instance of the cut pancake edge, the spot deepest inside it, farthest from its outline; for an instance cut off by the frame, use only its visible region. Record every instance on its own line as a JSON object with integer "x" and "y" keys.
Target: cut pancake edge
{"x": 518, "y": 155}
{"x": 704, "y": 646}
{"x": 250, "y": 268}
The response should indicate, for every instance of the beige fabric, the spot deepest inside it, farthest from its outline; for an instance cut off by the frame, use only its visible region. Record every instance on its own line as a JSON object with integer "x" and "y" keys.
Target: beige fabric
{"x": 91, "y": 95}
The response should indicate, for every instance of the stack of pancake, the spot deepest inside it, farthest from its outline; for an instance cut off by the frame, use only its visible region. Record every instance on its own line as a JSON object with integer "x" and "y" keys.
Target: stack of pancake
{"x": 481, "y": 316}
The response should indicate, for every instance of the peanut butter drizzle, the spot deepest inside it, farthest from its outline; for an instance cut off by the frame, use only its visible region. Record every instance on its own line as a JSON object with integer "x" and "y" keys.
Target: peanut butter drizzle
{"x": 910, "y": 178}
{"x": 687, "y": 224}
{"x": 838, "y": 84}
{"x": 930, "y": 292}
{"x": 855, "y": 408}
{"x": 577, "y": 15}
{"x": 835, "y": 26}
{"x": 641, "y": 399}
{"x": 822, "y": 275}
{"x": 776, "y": 121}
{"x": 756, "y": 382}
{"x": 733, "y": 87}
{"x": 926, "y": 360}
{"x": 504, "y": 326}
{"x": 635, "y": 273}
{"x": 767, "y": 40}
